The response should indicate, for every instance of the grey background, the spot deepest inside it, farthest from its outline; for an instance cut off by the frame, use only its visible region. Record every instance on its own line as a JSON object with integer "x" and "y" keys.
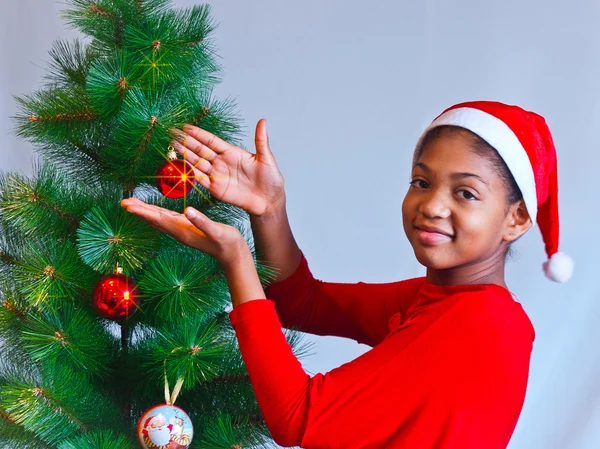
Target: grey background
{"x": 347, "y": 88}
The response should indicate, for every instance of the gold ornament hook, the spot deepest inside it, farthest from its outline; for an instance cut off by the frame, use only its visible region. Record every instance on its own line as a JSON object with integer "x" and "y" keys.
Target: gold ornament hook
{"x": 171, "y": 155}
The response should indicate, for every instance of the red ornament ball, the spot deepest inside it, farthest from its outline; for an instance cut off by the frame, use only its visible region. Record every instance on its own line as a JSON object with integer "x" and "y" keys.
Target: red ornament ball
{"x": 174, "y": 179}
{"x": 165, "y": 426}
{"x": 115, "y": 297}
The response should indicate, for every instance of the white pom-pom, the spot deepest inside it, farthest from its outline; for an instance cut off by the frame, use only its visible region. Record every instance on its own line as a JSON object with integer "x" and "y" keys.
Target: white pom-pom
{"x": 559, "y": 267}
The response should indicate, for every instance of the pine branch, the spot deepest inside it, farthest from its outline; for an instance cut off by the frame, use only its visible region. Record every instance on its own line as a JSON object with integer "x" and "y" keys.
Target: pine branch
{"x": 56, "y": 116}
{"x": 189, "y": 350}
{"x": 104, "y": 20}
{"x": 110, "y": 78}
{"x": 13, "y": 435}
{"x": 26, "y": 205}
{"x": 53, "y": 273}
{"x": 58, "y": 405}
{"x": 99, "y": 439}
{"x": 216, "y": 116}
{"x": 69, "y": 336}
{"x": 109, "y": 235}
{"x": 6, "y": 258}
{"x": 181, "y": 282}
{"x": 69, "y": 64}
{"x": 139, "y": 144}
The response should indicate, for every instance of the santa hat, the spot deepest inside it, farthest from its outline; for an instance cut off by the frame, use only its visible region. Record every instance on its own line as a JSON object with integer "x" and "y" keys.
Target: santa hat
{"x": 524, "y": 142}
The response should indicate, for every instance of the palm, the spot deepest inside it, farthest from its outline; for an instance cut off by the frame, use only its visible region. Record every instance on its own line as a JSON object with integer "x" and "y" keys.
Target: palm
{"x": 221, "y": 238}
{"x": 239, "y": 178}
{"x": 232, "y": 174}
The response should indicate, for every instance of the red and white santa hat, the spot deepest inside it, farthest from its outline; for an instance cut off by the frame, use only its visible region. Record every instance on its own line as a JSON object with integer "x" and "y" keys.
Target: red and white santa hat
{"x": 523, "y": 140}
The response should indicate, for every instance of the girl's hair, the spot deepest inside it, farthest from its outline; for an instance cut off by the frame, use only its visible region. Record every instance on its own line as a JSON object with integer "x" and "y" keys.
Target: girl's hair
{"x": 481, "y": 147}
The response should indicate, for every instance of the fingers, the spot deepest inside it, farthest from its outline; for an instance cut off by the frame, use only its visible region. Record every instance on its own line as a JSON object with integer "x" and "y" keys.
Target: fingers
{"x": 152, "y": 214}
{"x": 149, "y": 208}
{"x": 212, "y": 143}
{"x": 198, "y": 162}
{"x": 197, "y": 175}
{"x": 165, "y": 220}
{"x": 261, "y": 140}
{"x": 197, "y": 148}
{"x": 202, "y": 222}
{"x": 194, "y": 229}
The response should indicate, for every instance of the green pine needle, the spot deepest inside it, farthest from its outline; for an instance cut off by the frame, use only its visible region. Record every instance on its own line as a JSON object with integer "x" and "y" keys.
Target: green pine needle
{"x": 180, "y": 283}
{"x": 140, "y": 143}
{"x": 53, "y": 273}
{"x": 13, "y": 314}
{"x": 192, "y": 350}
{"x": 110, "y": 234}
{"x": 49, "y": 203}
{"x": 56, "y": 405}
{"x": 99, "y": 439}
{"x": 14, "y": 436}
{"x": 55, "y": 114}
{"x": 109, "y": 80}
{"x": 69, "y": 64}
{"x": 219, "y": 433}
{"x": 104, "y": 20}
{"x": 69, "y": 335}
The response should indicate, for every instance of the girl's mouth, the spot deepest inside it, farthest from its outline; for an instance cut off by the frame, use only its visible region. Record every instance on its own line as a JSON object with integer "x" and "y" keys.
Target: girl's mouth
{"x": 431, "y": 238}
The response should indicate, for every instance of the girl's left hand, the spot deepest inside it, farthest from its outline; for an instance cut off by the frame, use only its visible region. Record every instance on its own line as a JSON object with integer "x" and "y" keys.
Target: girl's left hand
{"x": 221, "y": 241}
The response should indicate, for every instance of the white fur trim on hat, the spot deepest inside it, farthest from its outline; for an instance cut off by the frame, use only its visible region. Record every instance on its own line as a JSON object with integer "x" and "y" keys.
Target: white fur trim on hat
{"x": 499, "y": 135}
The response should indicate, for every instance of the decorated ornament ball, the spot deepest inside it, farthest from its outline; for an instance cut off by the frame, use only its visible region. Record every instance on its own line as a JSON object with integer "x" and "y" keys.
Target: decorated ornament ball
{"x": 115, "y": 297}
{"x": 165, "y": 426}
{"x": 174, "y": 178}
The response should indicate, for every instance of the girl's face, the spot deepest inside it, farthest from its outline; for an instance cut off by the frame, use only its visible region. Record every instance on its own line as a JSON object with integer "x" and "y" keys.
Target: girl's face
{"x": 457, "y": 193}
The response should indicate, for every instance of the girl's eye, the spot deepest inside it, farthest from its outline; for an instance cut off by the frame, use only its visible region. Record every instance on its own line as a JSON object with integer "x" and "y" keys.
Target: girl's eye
{"x": 469, "y": 195}
{"x": 417, "y": 181}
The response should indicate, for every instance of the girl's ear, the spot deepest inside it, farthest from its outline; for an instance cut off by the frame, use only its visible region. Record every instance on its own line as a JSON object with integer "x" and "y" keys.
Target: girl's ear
{"x": 518, "y": 222}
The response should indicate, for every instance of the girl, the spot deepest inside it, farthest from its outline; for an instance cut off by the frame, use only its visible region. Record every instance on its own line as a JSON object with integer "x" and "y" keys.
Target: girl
{"x": 450, "y": 351}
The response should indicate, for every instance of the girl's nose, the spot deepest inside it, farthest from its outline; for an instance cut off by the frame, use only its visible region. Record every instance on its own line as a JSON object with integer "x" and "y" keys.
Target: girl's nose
{"x": 434, "y": 205}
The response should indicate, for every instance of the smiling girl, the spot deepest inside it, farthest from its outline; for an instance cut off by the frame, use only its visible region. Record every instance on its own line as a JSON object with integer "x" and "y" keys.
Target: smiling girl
{"x": 450, "y": 353}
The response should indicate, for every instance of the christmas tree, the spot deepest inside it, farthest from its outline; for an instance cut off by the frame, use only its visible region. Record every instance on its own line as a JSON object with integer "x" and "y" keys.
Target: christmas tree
{"x": 102, "y": 317}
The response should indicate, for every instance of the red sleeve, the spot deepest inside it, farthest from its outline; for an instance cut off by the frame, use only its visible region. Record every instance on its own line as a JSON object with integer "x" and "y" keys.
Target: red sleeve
{"x": 279, "y": 382}
{"x": 359, "y": 311}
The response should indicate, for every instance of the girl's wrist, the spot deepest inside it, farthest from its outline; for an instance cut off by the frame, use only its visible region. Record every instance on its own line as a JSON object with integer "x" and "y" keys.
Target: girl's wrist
{"x": 242, "y": 278}
{"x": 235, "y": 253}
{"x": 275, "y": 210}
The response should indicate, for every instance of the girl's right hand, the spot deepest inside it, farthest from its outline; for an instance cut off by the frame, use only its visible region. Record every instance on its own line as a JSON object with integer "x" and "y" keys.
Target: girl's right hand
{"x": 232, "y": 174}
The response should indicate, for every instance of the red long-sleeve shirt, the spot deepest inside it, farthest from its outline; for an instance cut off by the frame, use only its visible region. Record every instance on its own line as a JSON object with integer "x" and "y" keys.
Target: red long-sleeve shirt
{"x": 448, "y": 367}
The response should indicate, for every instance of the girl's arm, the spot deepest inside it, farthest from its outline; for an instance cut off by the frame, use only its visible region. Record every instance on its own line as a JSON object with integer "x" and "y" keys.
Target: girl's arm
{"x": 242, "y": 278}
{"x": 273, "y": 239}
{"x": 279, "y": 382}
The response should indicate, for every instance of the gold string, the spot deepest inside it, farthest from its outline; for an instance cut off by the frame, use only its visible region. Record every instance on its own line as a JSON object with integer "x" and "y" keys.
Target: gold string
{"x": 170, "y": 398}
{"x": 176, "y": 390}
{"x": 167, "y": 399}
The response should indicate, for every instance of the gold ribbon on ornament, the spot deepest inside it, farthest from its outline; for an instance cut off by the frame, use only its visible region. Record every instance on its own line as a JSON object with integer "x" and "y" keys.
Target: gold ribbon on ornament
{"x": 171, "y": 397}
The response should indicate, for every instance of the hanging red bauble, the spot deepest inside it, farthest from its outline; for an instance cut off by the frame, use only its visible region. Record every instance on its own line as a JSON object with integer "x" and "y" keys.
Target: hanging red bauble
{"x": 174, "y": 178}
{"x": 115, "y": 296}
{"x": 165, "y": 426}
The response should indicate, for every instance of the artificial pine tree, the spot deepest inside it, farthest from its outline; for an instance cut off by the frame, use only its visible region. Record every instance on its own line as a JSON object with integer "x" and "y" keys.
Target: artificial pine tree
{"x": 101, "y": 316}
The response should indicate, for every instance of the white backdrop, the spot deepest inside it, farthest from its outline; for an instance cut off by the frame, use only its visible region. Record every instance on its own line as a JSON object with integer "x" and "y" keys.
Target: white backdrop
{"x": 346, "y": 88}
